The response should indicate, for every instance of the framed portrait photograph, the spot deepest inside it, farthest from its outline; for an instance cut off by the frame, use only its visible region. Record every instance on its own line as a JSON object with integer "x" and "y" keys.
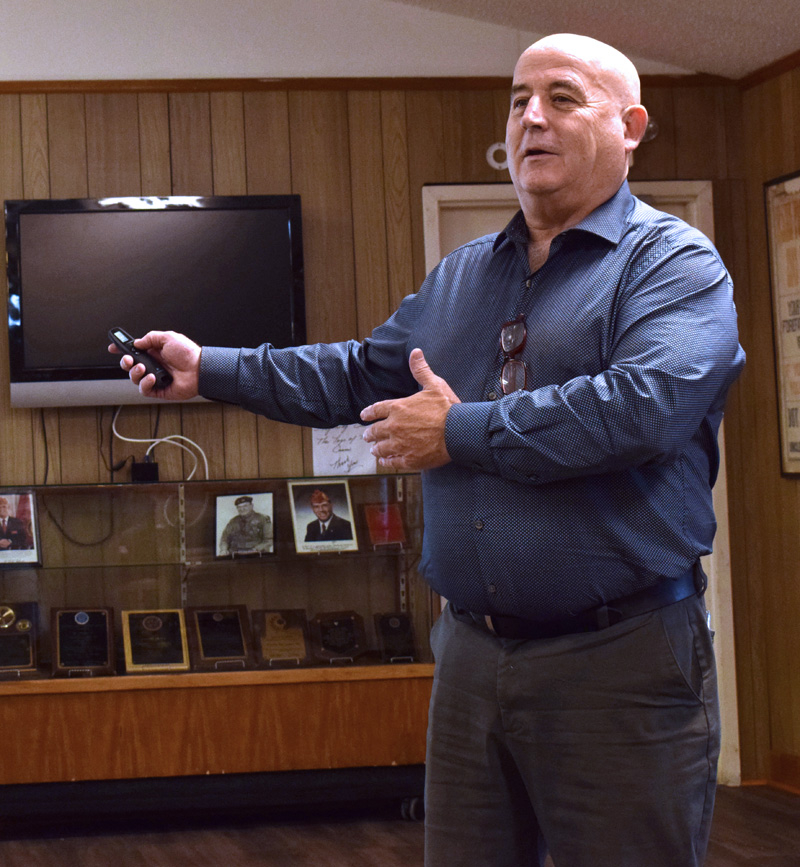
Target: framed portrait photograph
{"x": 322, "y": 516}
{"x": 19, "y": 529}
{"x": 782, "y": 198}
{"x": 245, "y": 525}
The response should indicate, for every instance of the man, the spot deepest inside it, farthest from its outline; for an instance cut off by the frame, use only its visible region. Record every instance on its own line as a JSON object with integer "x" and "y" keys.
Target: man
{"x": 327, "y": 526}
{"x": 249, "y": 532}
{"x": 560, "y": 385}
{"x": 14, "y": 535}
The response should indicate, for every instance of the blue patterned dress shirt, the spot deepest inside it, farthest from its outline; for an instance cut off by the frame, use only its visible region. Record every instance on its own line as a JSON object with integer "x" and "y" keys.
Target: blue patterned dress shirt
{"x": 593, "y": 483}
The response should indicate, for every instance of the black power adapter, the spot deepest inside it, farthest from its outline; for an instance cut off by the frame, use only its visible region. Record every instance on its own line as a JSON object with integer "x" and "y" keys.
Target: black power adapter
{"x": 146, "y": 471}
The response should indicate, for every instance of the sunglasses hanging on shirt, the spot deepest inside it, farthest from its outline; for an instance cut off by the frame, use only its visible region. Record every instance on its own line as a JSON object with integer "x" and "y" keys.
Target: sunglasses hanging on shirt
{"x": 513, "y": 376}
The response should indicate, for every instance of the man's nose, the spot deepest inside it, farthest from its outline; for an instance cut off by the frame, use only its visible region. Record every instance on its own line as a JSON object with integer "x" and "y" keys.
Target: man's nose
{"x": 534, "y": 114}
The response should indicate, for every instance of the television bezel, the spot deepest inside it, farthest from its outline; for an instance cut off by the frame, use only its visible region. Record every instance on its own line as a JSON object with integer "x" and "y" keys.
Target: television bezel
{"x": 96, "y": 386}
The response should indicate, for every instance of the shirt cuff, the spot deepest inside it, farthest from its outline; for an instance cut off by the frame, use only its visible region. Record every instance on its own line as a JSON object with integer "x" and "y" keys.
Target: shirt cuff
{"x": 219, "y": 369}
{"x": 466, "y": 435}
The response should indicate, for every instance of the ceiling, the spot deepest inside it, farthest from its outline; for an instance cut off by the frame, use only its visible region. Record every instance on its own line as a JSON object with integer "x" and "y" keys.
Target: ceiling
{"x": 719, "y": 37}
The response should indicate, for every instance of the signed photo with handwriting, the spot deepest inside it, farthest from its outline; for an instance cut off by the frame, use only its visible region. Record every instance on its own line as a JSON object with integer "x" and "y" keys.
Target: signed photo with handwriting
{"x": 341, "y": 451}
{"x": 322, "y": 516}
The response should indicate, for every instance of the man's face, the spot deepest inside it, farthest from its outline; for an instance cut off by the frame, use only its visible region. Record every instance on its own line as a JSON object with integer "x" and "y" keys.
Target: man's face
{"x": 244, "y": 508}
{"x": 5, "y": 510}
{"x": 322, "y": 509}
{"x": 566, "y": 131}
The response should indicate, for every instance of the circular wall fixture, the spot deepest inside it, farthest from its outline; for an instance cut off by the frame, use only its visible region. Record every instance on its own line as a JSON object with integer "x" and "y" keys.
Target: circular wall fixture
{"x": 651, "y": 130}
{"x": 496, "y": 156}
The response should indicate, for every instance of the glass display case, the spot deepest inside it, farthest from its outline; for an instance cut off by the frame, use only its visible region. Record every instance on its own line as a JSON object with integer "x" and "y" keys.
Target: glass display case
{"x": 169, "y": 621}
{"x": 242, "y": 563}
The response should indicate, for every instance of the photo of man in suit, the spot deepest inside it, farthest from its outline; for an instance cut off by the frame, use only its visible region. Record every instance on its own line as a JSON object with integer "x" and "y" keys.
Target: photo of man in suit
{"x": 14, "y": 534}
{"x": 327, "y": 526}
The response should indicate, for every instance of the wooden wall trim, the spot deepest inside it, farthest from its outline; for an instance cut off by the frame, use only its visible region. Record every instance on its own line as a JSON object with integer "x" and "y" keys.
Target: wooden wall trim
{"x": 206, "y": 85}
{"x": 700, "y": 79}
{"x": 772, "y": 70}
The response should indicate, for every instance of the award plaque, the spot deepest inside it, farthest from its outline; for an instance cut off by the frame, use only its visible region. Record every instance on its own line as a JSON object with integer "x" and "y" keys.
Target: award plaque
{"x": 18, "y": 622}
{"x": 385, "y": 524}
{"x": 219, "y": 638}
{"x": 395, "y": 636}
{"x": 281, "y": 637}
{"x": 338, "y": 636}
{"x": 155, "y": 640}
{"x": 83, "y": 642}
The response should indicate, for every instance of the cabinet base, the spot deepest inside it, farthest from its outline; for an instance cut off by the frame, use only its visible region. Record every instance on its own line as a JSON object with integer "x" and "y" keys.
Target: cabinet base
{"x": 91, "y": 806}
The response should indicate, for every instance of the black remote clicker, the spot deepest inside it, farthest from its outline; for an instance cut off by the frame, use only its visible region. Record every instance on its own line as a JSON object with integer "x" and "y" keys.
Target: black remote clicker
{"x": 122, "y": 340}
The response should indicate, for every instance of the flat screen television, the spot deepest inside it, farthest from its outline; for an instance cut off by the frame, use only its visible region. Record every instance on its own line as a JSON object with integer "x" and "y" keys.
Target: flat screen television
{"x": 225, "y": 270}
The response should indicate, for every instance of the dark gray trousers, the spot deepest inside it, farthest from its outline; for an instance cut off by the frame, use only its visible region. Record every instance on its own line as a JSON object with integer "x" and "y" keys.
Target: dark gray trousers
{"x": 600, "y": 747}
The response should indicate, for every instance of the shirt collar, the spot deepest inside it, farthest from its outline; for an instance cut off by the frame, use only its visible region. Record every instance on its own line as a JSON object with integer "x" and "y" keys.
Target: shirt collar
{"x": 606, "y": 221}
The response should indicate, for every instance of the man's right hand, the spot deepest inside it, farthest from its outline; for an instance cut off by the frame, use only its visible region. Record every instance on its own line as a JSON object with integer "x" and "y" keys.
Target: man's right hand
{"x": 176, "y": 354}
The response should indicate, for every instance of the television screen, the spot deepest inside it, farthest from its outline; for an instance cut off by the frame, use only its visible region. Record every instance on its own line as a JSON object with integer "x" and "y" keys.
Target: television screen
{"x": 225, "y": 270}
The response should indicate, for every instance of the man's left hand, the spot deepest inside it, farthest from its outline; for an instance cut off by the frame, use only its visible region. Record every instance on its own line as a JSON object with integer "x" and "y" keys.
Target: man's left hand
{"x": 408, "y": 433}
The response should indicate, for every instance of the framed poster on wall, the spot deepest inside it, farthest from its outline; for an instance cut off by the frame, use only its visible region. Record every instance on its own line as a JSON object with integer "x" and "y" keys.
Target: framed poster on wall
{"x": 783, "y": 228}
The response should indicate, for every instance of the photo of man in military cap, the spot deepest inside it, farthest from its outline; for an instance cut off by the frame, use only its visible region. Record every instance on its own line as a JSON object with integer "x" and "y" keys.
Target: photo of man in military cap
{"x": 323, "y": 516}
{"x": 250, "y": 530}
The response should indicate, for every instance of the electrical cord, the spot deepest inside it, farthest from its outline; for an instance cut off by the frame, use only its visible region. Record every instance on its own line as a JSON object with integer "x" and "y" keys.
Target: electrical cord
{"x": 172, "y": 439}
{"x": 110, "y": 464}
{"x": 46, "y": 450}
{"x": 68, "y": 536}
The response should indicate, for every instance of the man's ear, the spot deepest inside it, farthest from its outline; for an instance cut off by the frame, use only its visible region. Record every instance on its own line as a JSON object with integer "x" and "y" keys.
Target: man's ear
{"x": 634, "y": 121}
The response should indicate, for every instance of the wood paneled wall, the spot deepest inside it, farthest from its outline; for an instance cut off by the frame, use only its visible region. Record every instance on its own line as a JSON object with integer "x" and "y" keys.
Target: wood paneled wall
{"x": 767, "y": 554}
{"x": 359, "y": 157}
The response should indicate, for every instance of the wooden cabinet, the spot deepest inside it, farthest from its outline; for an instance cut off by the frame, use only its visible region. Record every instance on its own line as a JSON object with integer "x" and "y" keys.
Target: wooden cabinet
{"x": 154, "y": 546}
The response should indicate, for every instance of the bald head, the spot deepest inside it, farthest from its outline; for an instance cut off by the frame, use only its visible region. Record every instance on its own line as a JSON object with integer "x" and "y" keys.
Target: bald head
{"x": 573, "y": 123}
{"x": 618, "y": 73}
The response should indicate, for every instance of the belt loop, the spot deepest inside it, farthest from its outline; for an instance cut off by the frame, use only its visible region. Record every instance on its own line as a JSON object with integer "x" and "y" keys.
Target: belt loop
{"x": 700, "y": 578}
{"x": 603, "y": 617}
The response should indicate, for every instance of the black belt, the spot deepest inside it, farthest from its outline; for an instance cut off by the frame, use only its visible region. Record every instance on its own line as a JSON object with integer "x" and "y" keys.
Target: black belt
{"x": 666, "y": 592}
